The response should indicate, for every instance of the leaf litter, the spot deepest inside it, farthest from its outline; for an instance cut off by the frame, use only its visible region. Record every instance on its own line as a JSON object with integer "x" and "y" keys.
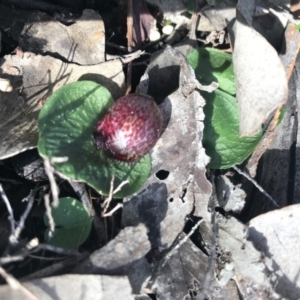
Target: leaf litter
{"x": 256, "y": 63}
{"x": 38, "y": 77}
{"x": 177, "y": 188}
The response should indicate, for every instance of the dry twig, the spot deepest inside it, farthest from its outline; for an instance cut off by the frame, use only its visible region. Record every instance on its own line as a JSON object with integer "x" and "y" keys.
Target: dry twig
{"x": 10, "y": 259}
{"x": 184, "y": 240}
{"x": 16, "y": 231}
{"x": 212, "y": 256}
{"x": 25, "y": 252}
{"x": 125, "y": 59}
{"x": 49, "y": 215}
{"x": 110, "y": 213}
{"x": 58, "y": 250}
{"x": 9, "y": 209}
{"x": 49, "y": 170}
{"x": 112, "y": 192}
{"x": 129, "y": 25}
{"x": 129, "y": 44}
{"x": 16, "y": 285}
{"x": 16, "y": 234}
{"x": 257, "y": 185}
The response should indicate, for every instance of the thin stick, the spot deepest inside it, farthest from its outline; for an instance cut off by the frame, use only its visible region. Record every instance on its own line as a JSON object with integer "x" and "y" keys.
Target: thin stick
{"x": 194, "y": 21}
{"x": 109, "y": 214}
{"x": 209, "y": 271}
{"x": 131, "y": 56}
{"x": 18, "y": 230}
{"x": 257, "y": 185}
{"x": 67, "y": 252}
{"x": 110, "y": 195}
{"x": 129, "y": 44}
{"x": 55, "y": 268}
{"x": 129, "y": 25}
{"x": 120, "y": 186}
{"x": 128, "y": 57}
{"x": 47, "y": 258}
{"x": 184, "y": 240}
{"x": 49, "y": 215}
{"x": 16, "y": 285}
{"x": 49, "y": 170}
{"x": 10, "y": 259}
{"x": 129, "y": 77}
{"x": 112, "y": 192}
{"x": 54, "y": 188}
{"x": 9, "y": 209}
{"x": 25, "y": 251}
{"x": 121, "y": 48}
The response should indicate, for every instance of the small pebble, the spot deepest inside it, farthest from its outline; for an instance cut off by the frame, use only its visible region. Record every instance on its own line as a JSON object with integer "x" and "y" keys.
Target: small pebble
{"x": 5, "y": 85}
{"x": 154, "y": 35}
{"x": 168, "y": 29}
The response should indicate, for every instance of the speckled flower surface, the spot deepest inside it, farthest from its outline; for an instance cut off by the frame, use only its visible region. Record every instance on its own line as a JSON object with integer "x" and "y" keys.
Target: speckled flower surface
{"x": 130, "y": 129}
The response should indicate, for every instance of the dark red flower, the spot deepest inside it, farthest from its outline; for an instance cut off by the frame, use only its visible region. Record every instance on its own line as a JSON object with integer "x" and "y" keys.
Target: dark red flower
{"x": 130, "y": 129}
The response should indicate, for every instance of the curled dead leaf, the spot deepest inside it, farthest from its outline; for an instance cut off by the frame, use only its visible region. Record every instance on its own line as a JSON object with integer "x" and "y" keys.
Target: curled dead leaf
{"x": 261, "y": 84}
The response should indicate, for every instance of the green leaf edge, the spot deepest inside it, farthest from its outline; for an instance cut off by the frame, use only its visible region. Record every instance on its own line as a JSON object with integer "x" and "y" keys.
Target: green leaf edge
{"x": 212, "y": 151}
{"x": 194, "y": 60}
{"x": 81, "y": 239}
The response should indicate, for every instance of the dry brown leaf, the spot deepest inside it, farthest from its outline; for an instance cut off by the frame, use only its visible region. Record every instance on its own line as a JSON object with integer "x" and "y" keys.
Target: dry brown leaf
{"x": 166, "y": 200}
{"x": 260, "y": 76}
{"x": 82, "y": 42}
{"x": 229, "y": 196}
{"x": 288, "y": 56}
{"x": 184, "y": 272}
{"x": 143, "y": 23}
{"x": 75, "y": 287}
{"x": 247, "y": 264}
{"x": 116, "y": 257}
{"x": 276, "y": 234}
{"x": 290, "y": 49}
{"x": 39, "y": 77}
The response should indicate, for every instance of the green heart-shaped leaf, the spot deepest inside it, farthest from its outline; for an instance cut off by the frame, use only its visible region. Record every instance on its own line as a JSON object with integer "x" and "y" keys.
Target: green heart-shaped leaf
{"x": 72, "y": 224}
{"x": 213, "y": 65}
{"x": 66, "y": 124}
{"x": 221, "y": 132}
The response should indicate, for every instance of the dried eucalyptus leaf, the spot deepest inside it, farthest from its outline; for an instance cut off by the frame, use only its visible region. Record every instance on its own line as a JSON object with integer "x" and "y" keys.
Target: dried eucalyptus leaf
{"x": 248, "y": 266}
{"x": 116, "y": 257}
{"x": 82, "y": 42}
{"x": 80, "y": 287}
{"x": 38, "y": 77}
{"x": 177, "y": 182}
{"x": 230, "y": 197}
{"x": 191, "y": 266}
{"x": 261, "y": 84}
{"x": 276, "y": 235}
